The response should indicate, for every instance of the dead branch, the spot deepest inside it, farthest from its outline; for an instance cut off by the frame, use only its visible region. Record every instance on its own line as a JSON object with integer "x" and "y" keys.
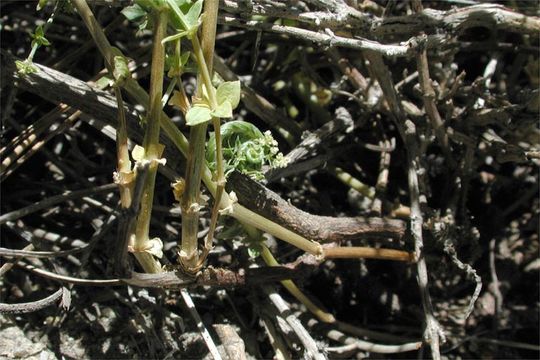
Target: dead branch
{"x": 329, "y": 39}
{"x": 312, "y": 351}
{"x": 267, "y": 203}
{"x": 336, "y": 15}
{"x": 23, "y": 308}
{"x": 456, "y": 20}
{"x": 175, "y": 279}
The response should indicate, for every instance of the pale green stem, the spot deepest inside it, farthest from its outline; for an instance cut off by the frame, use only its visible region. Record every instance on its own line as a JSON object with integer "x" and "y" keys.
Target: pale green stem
{"x": 122, "y": 153}
{"x": 152, "y": 148}
{"x": 211, "y": 8}
{"x": 354, "y": 183}
{"x": 189, "y": 255}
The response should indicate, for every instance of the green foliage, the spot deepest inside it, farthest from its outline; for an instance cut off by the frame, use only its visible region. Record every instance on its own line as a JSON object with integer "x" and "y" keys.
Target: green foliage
{"x": 121, "y": 71}
{"x": 41, "y": 4}
{"x": 254, "y": 249}
{"x": 246, "y": 149}
{"x": 134, "y": 12}
{"x": 176, "y": 64}
{"x": 138, "y": 13}
{"x": 185, "y": 16}
{"x": 198, "y": 114}
{"x": 25, "y": 67}
{"x": 39, "y": 37}
{"x": 229, "y": 91}
{"x": 228, "y": 98}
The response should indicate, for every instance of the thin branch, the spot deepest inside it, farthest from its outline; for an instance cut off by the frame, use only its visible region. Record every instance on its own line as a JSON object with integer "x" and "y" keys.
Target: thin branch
{"x": 357, "y": 252}
{"x": 207, "y": 277}
{"x": 9, "y": 265}
{"x": 53, "y": 200}
{"x": 69, "y": 279}
{"x": 428, "y": 95}
{"x": 312, "y": 351}
{"x": 200, "y": 325}
{"x": 329, "y": 39}
{"x": 433, "y": 329}
{"x": 24, "y": 308}
{"x": 370, "y": 346}
{"x": 4, "y": 252}
{"x": 280, "y": 348}
{"x": 232, "y": 342}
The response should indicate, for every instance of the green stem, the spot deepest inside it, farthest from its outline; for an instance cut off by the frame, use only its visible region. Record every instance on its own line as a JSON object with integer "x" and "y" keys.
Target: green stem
{"x": 152, "y": 148}
{"x": 349, "y": 180}
{"x": 211, "y": 8}
{"x": 123, "y": 166}
{"x": 189, "y": 255}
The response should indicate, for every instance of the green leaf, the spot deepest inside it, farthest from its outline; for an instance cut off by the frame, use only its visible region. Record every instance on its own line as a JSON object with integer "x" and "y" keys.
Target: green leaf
{"x": 179, "y": 14}
{"x": 39, "y": 31}
{"x": 224, "y": 110}
{"x": 229, "y": 91}
{"x": 184, "y": 58}
{"x": 180, "y": 3}
{"x": 104, "y": 81}
{"x": 25, "y": 67}
{"x": 192, "y": 16}
{"x": 121, "y": 70}
{"x": 198, "y": 115}
{"x": 254, "y": 251}
{"x": 41, "y": 4}
{"x": 137, "y": 153}
{"x": 39, "y": 37}
{"x": 174, "y": 37}
{"x": 44, "y": 41}
{"x": 133, "y": 12}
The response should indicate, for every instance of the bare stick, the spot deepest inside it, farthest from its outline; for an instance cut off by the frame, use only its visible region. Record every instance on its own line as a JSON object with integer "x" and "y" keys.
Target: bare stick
{"x": 232, "y": 342}
{"x": 310, "y": 346}
{"x": 280, "y": 348}
{"x": 39, "y": 254}
{"x": 363, "y": 345}
{"x": 382, "y": 181}
{"x": 9, "y": 265}
{"x": 200, "y": 325}
{"x": 433, "y": 330}
{"x": 265, "y": 202}
{"x": 457, "y": 19}
{"x": 329, "y": 39}
{"x": 428, "y": 95}
{"x": 46, "y": 203}
{"x": 23, "y": 308}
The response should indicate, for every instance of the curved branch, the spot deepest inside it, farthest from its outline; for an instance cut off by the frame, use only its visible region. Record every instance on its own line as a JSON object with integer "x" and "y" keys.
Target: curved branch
{"x": 28, "y": 307}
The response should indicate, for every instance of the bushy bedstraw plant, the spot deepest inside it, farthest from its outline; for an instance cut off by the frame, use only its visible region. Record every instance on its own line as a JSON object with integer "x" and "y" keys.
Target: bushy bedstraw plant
{"x": 246, "y": 149}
